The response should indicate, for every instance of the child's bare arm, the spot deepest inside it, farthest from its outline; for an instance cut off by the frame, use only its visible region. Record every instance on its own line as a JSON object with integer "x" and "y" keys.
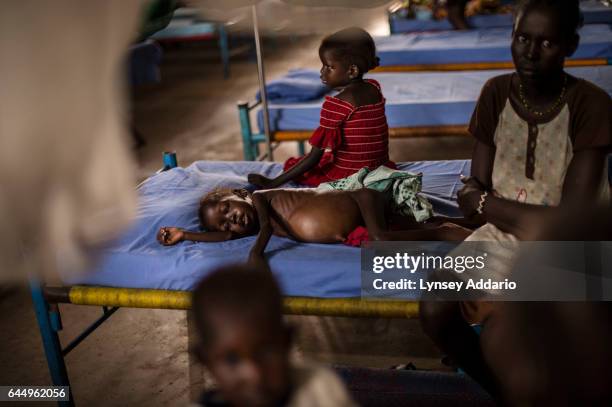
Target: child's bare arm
{"x": 261, "y": 201}
{"x": 310, "y": 160}
{"x": 169, "y": 236}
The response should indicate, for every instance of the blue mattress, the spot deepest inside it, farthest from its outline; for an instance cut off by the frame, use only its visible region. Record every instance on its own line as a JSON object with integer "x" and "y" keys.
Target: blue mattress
{"x": 419, "y": 98}
{"x": 480, "y": 45}
{"x": 594, "y": 13}
{"x": 298, "y": 85}
{"x": 171, "y": 198}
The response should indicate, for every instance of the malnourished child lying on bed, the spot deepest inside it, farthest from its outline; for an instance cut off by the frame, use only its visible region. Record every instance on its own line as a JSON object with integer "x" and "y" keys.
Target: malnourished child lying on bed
{"x": 307, "y": 215}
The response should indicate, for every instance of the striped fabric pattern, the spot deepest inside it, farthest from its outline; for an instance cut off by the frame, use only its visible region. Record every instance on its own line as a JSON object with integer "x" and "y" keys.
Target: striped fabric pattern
{"x": 352, "y": 137}
{"x": 358, "y": 137}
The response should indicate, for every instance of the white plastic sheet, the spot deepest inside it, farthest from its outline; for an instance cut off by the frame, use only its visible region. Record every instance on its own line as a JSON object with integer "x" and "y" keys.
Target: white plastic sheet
{"x": 66, "y": 180}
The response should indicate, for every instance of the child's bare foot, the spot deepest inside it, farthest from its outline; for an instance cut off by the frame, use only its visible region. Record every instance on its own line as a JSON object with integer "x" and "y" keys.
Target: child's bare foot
{"x": 259, "y": 180}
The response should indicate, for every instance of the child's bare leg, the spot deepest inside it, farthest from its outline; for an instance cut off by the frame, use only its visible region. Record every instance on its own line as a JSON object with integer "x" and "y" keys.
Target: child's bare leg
{"x": 374, "y": 209}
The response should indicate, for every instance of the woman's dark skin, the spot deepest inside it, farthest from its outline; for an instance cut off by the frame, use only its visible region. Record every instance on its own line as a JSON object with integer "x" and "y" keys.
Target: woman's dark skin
{"x": 539, "y": 48}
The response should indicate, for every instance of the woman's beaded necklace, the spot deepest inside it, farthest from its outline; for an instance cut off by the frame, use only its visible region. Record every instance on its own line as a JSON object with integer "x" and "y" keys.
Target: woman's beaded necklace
{"x": 551, "y": 108}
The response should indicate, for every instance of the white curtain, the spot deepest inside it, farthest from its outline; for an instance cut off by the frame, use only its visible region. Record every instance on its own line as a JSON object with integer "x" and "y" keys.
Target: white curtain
{"x": 66, "y": 179}
{"x": 293, "y": 17}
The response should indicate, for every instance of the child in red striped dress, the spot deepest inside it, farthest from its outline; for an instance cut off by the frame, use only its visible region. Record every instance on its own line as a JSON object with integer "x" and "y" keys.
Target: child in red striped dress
{"x": 353, "y": 131}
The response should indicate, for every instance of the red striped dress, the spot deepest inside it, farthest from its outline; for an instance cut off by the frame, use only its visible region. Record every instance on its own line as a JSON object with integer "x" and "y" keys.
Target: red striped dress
{"x": 352, "y": 137}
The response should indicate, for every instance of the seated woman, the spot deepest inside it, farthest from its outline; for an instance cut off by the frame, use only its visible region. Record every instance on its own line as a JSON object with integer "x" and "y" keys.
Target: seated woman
{"x": 306, "y": 215}
{"x": 542, "y": 137}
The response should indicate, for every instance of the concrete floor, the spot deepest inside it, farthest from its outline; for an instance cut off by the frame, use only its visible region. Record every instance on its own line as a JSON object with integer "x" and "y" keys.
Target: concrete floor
{"x": 140, "y": 356}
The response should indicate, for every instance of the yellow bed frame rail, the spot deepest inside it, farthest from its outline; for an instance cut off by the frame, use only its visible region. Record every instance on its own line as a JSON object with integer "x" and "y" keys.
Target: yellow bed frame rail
{"x": 181, "y": 300}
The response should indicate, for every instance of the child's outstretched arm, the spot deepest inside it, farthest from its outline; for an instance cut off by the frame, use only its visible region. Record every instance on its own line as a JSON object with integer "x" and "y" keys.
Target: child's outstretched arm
{"x": 261, "y": 201}
{"x": 169, "y": 236}
{"x": 307, "y": 163}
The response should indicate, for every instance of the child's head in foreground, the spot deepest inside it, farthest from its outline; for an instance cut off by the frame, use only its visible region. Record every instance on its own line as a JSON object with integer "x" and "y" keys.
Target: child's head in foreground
{"x": 545, "y": 32}
{"x": 346, "y": 55}
{"x": 243, "y": 339}
{"x": 226, "y": 209}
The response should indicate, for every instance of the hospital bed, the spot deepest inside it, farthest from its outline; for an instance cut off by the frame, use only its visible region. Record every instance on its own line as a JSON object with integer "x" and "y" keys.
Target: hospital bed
{"x": 487, "y": 48}
{"x": 418, "y": 104}
{"x": 187, "y": 26}
{"x": 594, "y": 11}
{"x": 136, "y": 271}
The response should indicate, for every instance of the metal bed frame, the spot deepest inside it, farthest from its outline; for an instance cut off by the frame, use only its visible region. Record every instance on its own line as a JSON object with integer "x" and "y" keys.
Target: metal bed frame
{"x": 468, "y": 66}
{"x": 251, "y": 139}
{"x": 199, "y": 31}
{"x": 46, "y": 299}
{"x": 443, "y": 25}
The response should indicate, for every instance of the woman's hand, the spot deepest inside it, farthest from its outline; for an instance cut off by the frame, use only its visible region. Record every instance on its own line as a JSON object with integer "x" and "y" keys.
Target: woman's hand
{"x": 169, "y": 236}
{"x": 468, "y": 197}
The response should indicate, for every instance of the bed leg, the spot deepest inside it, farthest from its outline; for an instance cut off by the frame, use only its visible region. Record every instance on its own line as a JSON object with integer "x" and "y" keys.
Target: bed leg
{"x": 48, "y": 319}
{"x": 249, "y": 147}
{"x": 391, "y": 24}
{"x": 224, "y": 48}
